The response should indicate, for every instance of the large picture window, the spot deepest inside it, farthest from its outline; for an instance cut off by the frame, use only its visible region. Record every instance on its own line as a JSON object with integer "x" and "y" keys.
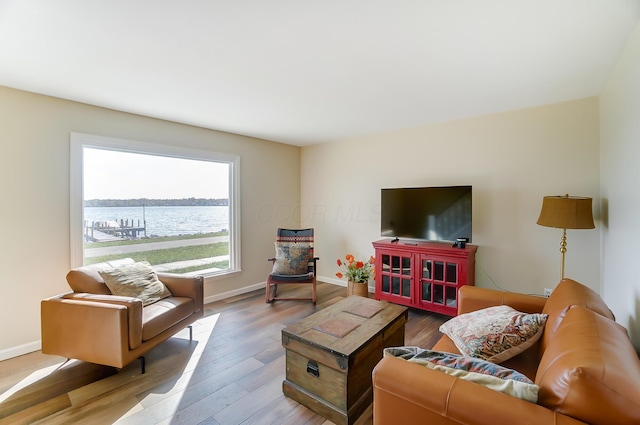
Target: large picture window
{"x": 175, "y": 208}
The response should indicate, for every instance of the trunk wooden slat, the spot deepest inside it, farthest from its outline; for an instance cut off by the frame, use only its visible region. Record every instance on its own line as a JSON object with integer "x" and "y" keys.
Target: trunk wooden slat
{"x": 330, "y": 355}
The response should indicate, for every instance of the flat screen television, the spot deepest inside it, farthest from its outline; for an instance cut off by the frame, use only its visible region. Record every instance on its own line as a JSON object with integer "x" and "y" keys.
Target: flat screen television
{"x": 427, "y": 213}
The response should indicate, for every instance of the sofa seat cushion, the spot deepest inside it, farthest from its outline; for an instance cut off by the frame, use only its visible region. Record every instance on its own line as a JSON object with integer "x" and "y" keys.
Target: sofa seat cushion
{"x": 445, "y": 344}
{"x": 590, "y": 371}
{"x": 161, "y": 315}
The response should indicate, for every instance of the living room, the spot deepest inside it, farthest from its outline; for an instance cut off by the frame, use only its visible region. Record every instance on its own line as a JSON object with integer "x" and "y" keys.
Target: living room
{"x": 582, "y": 146}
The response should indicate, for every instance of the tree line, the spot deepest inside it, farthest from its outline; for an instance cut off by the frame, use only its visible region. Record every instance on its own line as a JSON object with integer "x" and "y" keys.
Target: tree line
{"x": 184, "y": 202}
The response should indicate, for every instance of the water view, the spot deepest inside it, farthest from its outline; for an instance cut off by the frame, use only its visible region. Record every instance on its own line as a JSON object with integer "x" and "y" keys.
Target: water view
{"x": 165, "y": 221}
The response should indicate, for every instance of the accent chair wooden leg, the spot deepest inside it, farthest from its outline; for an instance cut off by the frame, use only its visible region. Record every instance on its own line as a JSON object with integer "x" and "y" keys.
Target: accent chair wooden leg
{"x": 272, "y": 292}
{"x": 190, "y": 333}
{"x": 315, "y": 294}
{"x": 142, "y": 364}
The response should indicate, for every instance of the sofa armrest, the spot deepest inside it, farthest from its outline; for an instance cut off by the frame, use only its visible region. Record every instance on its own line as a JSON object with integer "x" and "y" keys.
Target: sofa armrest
{"x": 472, "y": 298}
{"x": 92, "y": 331}
{"x": 185, "y": 286}
{"x": 408, "y": 393}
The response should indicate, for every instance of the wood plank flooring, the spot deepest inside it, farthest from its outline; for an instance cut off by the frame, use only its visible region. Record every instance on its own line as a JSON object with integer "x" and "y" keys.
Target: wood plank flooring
{"x": 231, "y": 373}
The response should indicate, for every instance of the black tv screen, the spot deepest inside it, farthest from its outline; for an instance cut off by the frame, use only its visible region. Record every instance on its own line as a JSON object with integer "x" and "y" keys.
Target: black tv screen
{"x": 427, "y": 213}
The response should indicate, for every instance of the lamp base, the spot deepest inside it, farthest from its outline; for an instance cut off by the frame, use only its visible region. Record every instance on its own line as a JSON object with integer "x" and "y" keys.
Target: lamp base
{"x": 563, "y": 250}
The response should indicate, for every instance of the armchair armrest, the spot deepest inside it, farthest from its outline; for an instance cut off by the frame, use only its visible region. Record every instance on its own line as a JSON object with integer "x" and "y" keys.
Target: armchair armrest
{"x": 89, "y": 330}
{"x": 128, "y": 302}
{"x": 409, "y": 393}
{"x": 185, "y": 286}
{"x": 472, "y": 298}
{"x": 133, "y": 306}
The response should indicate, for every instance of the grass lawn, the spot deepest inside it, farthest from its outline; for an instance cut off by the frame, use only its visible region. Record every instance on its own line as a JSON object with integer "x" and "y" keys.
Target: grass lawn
{"x": 169, "y": 255}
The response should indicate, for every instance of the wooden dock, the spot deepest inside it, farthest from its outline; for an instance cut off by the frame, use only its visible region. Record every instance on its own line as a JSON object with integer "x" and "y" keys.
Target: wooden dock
{"x": 100, "y": 231}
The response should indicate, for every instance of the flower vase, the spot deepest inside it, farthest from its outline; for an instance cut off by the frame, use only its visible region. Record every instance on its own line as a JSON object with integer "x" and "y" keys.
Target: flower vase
{"x": 358, "y": 288}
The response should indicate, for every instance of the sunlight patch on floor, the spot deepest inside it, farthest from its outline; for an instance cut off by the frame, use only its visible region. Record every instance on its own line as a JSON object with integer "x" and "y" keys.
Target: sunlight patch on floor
{"x": 34, "y": 377}
{"x": 169, "y": 401}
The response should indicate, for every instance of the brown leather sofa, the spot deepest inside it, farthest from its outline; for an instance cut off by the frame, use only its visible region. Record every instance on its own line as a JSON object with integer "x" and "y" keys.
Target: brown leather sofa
{"x": 584, "y": 364}
{"x": 93, "y": 325}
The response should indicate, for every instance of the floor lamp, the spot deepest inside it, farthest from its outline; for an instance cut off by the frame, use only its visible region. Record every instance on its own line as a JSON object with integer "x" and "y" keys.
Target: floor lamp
{"x": 566, "y": 212}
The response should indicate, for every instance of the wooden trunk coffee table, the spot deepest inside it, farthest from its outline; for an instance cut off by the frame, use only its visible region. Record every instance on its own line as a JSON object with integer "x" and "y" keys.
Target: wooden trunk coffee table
{"x": 330, "y": 355}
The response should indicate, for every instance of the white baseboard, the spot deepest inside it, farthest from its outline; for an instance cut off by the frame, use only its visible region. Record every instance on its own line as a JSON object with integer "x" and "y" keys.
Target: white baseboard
{"x": 19, "y": 350}
{"x": 261, "y": 285}
{"x": 333, "y": 281}
{"x": 240, "y": 291}
{"x": 341, "y": 282}
{"x": 37, "y": 345}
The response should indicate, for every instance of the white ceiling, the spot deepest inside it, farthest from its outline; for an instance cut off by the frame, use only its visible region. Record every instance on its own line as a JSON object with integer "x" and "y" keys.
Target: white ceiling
{"x": 312, "y": 71}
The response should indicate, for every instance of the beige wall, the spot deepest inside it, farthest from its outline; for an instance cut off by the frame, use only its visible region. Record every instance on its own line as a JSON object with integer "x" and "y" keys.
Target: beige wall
{"x": 512, "y": 159}
{"x": 34, "y": 183}
{"x": 620, "y": 175}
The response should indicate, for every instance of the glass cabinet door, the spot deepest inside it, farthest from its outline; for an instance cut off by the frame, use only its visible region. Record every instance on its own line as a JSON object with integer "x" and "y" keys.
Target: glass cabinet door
{"x": 425, "y": 279}
{"x": 396, "y": 275}
{"x": 438, "y": 281}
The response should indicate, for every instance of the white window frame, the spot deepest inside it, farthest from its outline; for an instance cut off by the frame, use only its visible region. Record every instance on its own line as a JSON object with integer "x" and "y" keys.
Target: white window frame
{"x": 78, "y": 141}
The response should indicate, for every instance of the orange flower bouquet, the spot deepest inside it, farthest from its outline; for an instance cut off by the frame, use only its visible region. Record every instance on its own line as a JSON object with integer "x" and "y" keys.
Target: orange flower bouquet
{"x": 357, "y": 271}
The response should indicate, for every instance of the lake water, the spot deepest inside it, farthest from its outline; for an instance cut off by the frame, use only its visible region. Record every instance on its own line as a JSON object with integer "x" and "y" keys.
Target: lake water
{"x": 165, "y": 221}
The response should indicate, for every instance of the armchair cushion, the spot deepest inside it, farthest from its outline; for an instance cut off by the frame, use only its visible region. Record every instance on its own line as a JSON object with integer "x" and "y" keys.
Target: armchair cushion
{"x": 496, "y": 333}
{"x": 163, "y": 314}
{"x": 137, "y": 280}
{"x": 292, "y": 258}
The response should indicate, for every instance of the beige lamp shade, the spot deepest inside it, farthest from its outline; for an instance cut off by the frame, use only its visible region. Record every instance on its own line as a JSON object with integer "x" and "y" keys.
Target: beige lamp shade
{"x": 566, "y": 212}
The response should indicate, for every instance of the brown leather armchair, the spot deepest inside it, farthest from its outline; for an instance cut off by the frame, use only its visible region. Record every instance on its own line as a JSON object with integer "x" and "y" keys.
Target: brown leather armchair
{"x": 93, "y": 325}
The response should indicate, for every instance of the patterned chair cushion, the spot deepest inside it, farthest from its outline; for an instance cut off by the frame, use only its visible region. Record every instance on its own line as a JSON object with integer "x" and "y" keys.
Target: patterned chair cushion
{"x": 292, "y": 258}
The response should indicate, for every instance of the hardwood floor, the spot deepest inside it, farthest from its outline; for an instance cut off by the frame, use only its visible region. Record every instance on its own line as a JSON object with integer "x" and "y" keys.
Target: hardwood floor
{"x": 231, "y": 373}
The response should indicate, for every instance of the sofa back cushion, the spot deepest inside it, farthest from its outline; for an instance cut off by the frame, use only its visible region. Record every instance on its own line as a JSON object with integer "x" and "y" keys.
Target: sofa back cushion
{"x": 86, "y": 279}
{"x": 567, "y": 294}
{"x": 590, "y": 370}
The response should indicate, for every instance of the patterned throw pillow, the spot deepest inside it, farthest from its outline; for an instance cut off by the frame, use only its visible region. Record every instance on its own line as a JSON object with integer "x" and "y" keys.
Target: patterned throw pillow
{"x": 292, "y": 258}
{"x": 137, "y": 280}
{"x": 496, "y": 333}
{"x": 471, "y": 369}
